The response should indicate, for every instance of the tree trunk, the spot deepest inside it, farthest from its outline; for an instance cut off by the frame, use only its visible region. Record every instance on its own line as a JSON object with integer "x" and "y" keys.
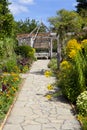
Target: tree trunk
{"x": 59, "y": 58}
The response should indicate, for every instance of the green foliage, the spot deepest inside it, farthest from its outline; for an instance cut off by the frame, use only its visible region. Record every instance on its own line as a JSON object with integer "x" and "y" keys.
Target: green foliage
{"x": 72, "y": 78}
{"x": 83, "y": 121}
{"x": 66, "y": 21}
{"x": 82, "y": 7}
{"x": 82, "y": 103}
{"x": 7, "y": 55}
{"x": 6, "y": 48}
{"x": 68, "y": 81}
{"x": 28, "y": 26}
{"x": 8, "y": 87}
{"x": 6, "y": 20}
{"x": 25, "y": 51}
{"x": 2, "y": 50}
{"x": 53, "y": 64}
{"x": 25, "y": 26}
{"x": 10, "y": 65}
{"x": 55, "y": 46}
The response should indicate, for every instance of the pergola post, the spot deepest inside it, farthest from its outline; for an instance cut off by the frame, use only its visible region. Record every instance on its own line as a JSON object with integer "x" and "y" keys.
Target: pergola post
{"x": 31, "y": 42}
{"x": 51, "y": 48}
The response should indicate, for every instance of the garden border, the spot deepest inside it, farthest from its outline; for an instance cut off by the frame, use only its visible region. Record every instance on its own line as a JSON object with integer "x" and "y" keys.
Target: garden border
{"x": 12, "y": 105}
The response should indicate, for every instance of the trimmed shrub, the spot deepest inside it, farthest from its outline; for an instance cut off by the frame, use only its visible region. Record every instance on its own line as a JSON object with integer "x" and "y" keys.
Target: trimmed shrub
{"x": 25, "y": 51}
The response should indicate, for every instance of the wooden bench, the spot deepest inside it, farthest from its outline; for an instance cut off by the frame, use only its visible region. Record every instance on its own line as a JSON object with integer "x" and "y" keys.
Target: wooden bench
{"x": 42, "y": 55}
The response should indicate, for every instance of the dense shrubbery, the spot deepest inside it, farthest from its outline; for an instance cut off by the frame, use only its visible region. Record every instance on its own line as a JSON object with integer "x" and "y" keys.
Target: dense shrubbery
{"x": 25, "y": 57}
{"x": 25, "y": 51}
{"x": 9, "y": 62}
{"x": 72, "y": 78}
{"x": 7, "y": 55}
{"x": 11, "y": 65}
{"x": 53, "y": 65}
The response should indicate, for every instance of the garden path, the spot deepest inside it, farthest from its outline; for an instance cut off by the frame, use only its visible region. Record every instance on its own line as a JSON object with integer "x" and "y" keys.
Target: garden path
{"x": 32, "y": 111}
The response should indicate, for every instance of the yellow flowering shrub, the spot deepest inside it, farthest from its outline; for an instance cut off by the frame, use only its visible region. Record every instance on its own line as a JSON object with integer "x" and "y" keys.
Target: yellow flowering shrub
{"x": 84, "y": 43}
{"x": 72, "y": 48}
{"x": 65, "y": 65}
{"x": 73, "y": 44}
{"x": 72, "y": 54}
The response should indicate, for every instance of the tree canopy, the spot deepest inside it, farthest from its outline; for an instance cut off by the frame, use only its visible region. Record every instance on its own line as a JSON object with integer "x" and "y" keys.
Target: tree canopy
{"x": 66, "y": 21}
{"x": 28, "y": 26}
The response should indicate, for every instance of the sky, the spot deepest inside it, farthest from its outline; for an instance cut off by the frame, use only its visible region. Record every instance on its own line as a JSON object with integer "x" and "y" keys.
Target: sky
{"x": 40, "y": 10}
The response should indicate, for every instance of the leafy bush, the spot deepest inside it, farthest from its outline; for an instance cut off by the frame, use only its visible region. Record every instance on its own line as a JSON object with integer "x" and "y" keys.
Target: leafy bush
{"x": 6, "y": 48}
{"x": 82, "y": 103}
{"x": 23, "y": 64}
{"x": 10, "y": 65}
{"x": 7, "y": 54}
{"x": 67, "y": 81}
{"x": 53, "y": 64}
{"x": 25, "y": 51}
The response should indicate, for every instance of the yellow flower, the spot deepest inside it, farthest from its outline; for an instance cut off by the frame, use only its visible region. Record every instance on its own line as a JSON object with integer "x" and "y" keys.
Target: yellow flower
{"x": 16, "y": 67}
{"x": 72, "y": 54}
{"x": 65, "y": 65}
{"x": 13, "y": 89}
{"x": 73, "y": 45}
{"x": 49, "y": 87}
{"x": 16, "y": 79}
{"x": 49, "y": 96}
{"x": 5, "y": 73}
{"x": 48, "y": 73}
{"x": 7, "y": 95}
{"x": 13, "y": 74}
{"x": 33, "y": 50}
{"x": 84, "y": 43}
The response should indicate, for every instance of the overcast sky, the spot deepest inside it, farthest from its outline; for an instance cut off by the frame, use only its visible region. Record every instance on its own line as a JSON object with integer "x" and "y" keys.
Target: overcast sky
{"x": 39, "y": 9}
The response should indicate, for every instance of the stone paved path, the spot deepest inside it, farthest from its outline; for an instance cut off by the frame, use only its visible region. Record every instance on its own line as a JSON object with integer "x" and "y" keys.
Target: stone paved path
{"x": 32, "y": 111}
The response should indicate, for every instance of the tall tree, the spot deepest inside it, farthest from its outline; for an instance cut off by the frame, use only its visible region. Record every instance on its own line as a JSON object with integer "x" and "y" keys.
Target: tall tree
{"x": 25, "y": 26}
{"x": 82, "y": 7}
{"x": 6, "y": 19}
{"x": 28, "y": 26}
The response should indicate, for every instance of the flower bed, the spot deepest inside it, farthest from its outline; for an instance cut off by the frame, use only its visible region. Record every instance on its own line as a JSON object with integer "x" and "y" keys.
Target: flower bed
{"x": 8, "y": 88}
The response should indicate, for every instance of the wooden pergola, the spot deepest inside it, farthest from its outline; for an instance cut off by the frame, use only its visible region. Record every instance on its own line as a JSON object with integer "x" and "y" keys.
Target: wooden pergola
{"x": 38, "y": 41}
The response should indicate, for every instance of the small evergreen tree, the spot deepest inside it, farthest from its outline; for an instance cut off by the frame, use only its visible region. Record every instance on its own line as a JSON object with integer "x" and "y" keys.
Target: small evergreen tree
{"x": 6, "y": 19}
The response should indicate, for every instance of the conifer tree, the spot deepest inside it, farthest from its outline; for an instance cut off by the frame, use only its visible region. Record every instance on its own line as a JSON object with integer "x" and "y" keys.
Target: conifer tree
{"x": 6, "y": 19}
{"x": 82, "y": 7}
